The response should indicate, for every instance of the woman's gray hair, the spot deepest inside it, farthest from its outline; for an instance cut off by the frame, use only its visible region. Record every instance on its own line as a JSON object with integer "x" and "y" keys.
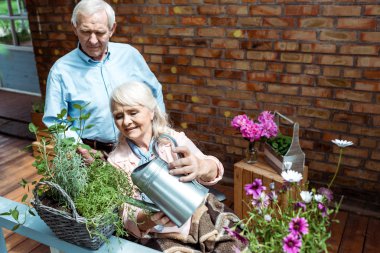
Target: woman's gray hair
{"x": 89, "y": 7}
{"x": 137, "y": 93}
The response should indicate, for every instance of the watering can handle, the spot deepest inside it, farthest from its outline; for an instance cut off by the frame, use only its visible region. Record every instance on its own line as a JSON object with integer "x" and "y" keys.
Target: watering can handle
{"x": 155, "y": 146}
{"x": 155, "y": 151}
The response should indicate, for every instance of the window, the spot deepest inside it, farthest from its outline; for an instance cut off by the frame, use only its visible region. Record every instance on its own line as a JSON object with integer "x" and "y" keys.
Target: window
{"x": 14, "y": 24}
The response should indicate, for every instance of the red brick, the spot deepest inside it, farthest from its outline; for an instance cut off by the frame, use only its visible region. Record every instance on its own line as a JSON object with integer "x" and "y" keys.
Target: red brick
{"x": 312, "y": 70}
{"x": 314, "y": 113}
{"x": 211, "y": 32}
{"x": 265, "y": 10}
{"x": 181, "y": 51}
{"x": 375, "y": 155}
{"x": 206, "y": 52}
{"x": 293, "y": 57}
{"x": 275, "y": 67}
{"x": 152, "y": 10}
{"x": 372, "y": 165}
{"x": 367, "y": 85}
{"x": 374, "y": 132}
{"x": 280, "y": 89}
{"x": 330, "y": 126}
{"x": 294, "y": 68}
{"x": 356, "y": 23}
{"x": 210, "y": 10}
{"x": 237, "y": 10}
{"x": 262, "y": 77}
{"x": 181, "y": 31}
{"x": 203, "y": 110}
{"x": 360, "y": 173}
{"x": 366, "y": 108}
{"x": 370, "y": 37}
{"x": 371, "y": 62}
{"x": 372, "y": 10}
{"x": 225, "y": 103}
{"x": 316, "y": 22}
{"x": 372, "y": 74}
{"x": 182, "y": 10}
{"x": 332, "y": 104}
{"x": 250, "y": 21}
{"x": 301, "y": 10}
{"x": 250, "y": 86}
{"x": 334, "y": 82}
{"x": 336, "y": 60}
{"x": 296, "y": 79}
{"x": 353, "y": 73}
{"x": 229, "y": 74}
{"x": 337, "y": 36}
{"x": 261, "y": 55}
{"x": 353, "y": 118}
{"x": 263, "y": 34}
{"x": 299, "y": 35}
{"x": 219, "y": 21}
{"x": 278, "y": 22}
{"x": 336, "y": 10}
{"x": 359, "y": 49}
{"x": 286, "y": 46}
{"x": 235, "y": 54}
{"x": 331, "y": 71}
{"x": 201, "y": 21}
{"x": 353, "y": 95}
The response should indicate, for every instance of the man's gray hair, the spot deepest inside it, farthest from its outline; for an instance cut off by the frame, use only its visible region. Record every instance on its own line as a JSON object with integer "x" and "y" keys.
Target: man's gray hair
{"x": 89, "y": 7}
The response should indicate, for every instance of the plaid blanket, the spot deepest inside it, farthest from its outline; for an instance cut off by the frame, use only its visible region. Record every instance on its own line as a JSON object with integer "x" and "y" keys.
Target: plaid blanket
{"x": 206, "y": 232}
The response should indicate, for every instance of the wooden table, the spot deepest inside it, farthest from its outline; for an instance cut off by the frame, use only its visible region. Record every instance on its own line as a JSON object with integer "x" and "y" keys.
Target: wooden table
{"x": 245, "y": 173}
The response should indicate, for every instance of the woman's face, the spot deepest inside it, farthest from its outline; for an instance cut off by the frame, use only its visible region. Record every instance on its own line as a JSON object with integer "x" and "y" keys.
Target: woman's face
{"x": 134, "y": 122}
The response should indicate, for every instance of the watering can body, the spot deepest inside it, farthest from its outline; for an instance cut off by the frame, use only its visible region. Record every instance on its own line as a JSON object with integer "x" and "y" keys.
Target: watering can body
{"x": 178, "y": 200}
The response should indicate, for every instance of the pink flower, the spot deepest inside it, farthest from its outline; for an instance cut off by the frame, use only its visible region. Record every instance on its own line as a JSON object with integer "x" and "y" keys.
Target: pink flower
{"x": 236, "y": 235}
{"x": 299, "y": 226}
{"x": 323, "y": 209}
{"x": 255, "y": 188}
{"x": 291, "y": 244}
{"x": 253, "y": 131}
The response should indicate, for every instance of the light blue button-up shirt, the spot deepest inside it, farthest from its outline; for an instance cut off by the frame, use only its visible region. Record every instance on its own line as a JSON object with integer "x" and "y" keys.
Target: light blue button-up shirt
{"x": 77, "y": 79}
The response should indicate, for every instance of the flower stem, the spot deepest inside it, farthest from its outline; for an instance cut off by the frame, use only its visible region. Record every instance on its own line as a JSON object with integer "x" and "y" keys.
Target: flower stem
{"x": 337, "y": 168}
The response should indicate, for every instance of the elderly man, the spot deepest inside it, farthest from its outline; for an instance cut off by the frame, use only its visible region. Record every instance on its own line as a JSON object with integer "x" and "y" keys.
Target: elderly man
{"x": 88, "y": 74}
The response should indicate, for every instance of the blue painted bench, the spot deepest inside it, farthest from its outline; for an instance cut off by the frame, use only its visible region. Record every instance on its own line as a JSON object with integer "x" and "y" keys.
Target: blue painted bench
{"x": 36, "y": 229}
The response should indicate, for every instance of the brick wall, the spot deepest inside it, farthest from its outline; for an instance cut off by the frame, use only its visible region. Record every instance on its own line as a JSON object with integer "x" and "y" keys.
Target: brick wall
{"x": 315, "y": 61}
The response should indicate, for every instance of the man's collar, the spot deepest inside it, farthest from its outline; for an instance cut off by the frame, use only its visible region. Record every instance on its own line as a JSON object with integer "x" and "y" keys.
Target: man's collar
{"x": 88, "y": 59}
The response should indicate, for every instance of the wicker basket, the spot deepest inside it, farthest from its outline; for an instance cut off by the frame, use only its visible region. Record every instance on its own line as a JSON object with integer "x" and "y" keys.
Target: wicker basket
{"x": 69, "y": 227}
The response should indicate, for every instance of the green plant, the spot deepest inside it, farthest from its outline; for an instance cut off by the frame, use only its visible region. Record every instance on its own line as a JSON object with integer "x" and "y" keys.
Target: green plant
{"x": 97, "y": 190}
{"x": 280, "y": 144}
{"x": 38, "y": 106}
{"x": 302, "y": 224}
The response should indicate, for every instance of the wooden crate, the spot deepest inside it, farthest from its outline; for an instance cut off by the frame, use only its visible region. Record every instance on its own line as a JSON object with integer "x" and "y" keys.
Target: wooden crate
{"x": 245, "y": 173}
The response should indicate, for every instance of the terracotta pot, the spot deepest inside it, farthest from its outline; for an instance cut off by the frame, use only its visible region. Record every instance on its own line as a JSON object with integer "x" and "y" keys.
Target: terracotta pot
{"x": 37, "y": 120}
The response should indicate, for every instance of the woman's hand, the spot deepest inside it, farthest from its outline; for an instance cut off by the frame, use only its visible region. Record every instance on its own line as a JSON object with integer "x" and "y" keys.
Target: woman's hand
{"x": 192, "y": 167}
{"x": 88, "y": 154}
{"x": 146, "y": 221}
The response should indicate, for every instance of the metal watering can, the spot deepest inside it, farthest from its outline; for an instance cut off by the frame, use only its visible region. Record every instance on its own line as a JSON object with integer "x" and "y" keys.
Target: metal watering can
{"x": 178, "y": 200}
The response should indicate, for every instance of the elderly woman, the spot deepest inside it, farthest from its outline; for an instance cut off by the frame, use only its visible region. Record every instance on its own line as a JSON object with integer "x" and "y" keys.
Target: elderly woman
{"x": 140, "y": 121}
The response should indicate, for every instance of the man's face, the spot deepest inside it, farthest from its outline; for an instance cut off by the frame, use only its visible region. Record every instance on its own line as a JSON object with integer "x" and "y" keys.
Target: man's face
{"x": 93, "y": 34}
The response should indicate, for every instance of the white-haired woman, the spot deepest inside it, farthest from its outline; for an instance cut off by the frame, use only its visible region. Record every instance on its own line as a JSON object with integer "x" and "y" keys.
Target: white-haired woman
{"x": 140, "y": 121}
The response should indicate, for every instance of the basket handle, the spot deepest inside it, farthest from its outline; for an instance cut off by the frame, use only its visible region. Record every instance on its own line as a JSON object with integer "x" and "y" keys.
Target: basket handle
{"x": 75, "y": 214}
{"x": 284, "y": 117}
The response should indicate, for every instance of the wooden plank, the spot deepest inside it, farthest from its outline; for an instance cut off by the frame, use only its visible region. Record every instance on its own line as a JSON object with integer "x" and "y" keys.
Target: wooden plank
{"x": 337, "y": 230}
{"x": 14, "y": 240}
{"x": 41, "y": 249}
{"x": 372, "y": 242}
{"x": 237, "y": 191}
{"x": 354, "y": 234}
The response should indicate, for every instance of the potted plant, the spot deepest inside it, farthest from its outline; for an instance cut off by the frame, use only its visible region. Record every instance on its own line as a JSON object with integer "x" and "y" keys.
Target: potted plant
{"x": 37, "y": 113}
{"x": 79, "y": 202}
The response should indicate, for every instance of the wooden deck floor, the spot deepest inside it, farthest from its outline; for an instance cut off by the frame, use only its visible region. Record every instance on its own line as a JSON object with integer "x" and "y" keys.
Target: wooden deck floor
{"x": 354, "y": 234}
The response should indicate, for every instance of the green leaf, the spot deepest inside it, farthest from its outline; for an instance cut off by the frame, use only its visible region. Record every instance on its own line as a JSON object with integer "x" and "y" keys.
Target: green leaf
{"x": 5, "y": 214}
{"x": 77, "y": 106}
{"x": 23, "y": 183}
{"x": 16, "y": 227}
{"x": 89, "y": 126}
{"x": 15, "y": 213}
{"x": 31, "y": 213}
{"x": 32, "y": 128}
{"x": 24, "y": 197}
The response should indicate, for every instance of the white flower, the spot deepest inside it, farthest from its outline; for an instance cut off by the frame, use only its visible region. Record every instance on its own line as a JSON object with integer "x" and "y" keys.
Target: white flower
{"x": 291, "y": 176}
{"x": 342, "y": 143}
{"x": 306, "y": 196}
{"x": 318, "y": 197}
{"x": 267, "y": 217}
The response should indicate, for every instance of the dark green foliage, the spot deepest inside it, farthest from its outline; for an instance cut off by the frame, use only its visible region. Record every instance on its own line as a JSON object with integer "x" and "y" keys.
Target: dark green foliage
{"x": 280, "y": 144}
